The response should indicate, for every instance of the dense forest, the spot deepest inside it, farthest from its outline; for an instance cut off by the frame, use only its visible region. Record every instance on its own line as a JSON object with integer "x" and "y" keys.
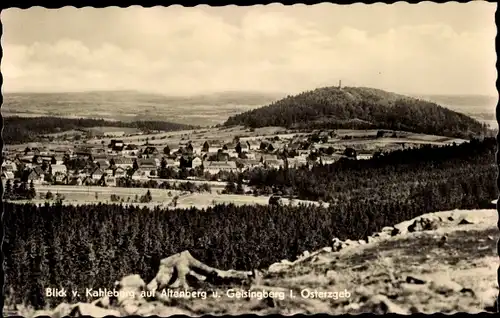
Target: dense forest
{"x": 395, "y": 175}
{"x": 360, "y": 108}
{"x": 18, "y": 130}
{"x": 94, "y": 245}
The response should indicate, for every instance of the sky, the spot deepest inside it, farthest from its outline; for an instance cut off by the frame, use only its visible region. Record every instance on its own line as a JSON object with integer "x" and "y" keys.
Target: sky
{"x": 424, "y": 48}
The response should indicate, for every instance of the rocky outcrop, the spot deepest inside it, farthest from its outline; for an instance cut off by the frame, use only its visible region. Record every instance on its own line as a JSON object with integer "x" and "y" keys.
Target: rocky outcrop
{"x": 183, "y": 272}
{"x": 426, "y": 223}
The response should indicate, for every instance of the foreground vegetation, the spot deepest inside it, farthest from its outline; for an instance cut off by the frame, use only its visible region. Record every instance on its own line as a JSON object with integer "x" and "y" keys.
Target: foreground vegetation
{"x": 29, "y": 129}
{"x": 360, "y": 108}
{"x": 93, "y": 245}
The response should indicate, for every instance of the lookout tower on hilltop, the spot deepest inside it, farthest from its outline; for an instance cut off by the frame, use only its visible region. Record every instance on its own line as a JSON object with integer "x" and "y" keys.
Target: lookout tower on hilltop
{"x": 340, "y": 84}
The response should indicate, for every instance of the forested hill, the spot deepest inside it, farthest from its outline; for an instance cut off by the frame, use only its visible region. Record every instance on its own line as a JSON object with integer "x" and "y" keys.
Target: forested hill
{"x": 18, "y": 130}
{"x": 360, "y": 108}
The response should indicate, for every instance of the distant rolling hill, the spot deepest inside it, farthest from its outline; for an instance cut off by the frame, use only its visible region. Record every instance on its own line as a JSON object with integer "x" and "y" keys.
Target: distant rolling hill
{"x": 361, "y": 108}
{"x": 127, "y": 106}
{"x": 480, "y": 107}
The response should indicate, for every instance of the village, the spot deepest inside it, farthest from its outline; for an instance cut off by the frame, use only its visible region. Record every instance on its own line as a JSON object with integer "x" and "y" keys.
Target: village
{"x": 87, "y": 164}
{"x": 188, "y": 161}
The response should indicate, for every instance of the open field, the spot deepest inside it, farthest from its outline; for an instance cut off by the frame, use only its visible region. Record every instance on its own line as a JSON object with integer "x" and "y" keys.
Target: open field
{"x": 87, "y": 195}
{"x": 227, "y": 134}
{"x": 81, "y": 194}
{"x": 128, "y": 106}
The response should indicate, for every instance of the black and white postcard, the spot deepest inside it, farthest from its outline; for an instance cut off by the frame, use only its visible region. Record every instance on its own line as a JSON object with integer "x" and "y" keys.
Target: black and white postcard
{"x": 272, "y": 159}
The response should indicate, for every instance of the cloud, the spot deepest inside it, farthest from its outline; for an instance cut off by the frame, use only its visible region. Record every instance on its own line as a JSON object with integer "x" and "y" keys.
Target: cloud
{"x": 180, "y": 51}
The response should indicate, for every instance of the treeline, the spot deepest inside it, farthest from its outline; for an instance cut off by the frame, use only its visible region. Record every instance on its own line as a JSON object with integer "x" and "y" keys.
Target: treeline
{"x": 395, "y": 176}
{"x": 360, "y": 108}
{"x": 166, "y": 185}
{"x": 29, "y": 129}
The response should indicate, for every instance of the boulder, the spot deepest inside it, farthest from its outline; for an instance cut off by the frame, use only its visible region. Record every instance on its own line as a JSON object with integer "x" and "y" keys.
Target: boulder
{"x": 84, "y": 309}
{"x": 427, "y": 223}
{"x": 130, "y": 309}
{"x": 333, "y": 276}
{"x": 165, "y": 311}
{"x": 395, "y": 231}
{"x": 102, "y": 302}
{"x": 445, "y": 286}
{"x": 146, "y": 310}
{"x": 62, "y": 310}
{"x": 278, "y": 267}
{"x": 464, "y": 221}
{"x": 415, "y": 280}
{"x": 387, "y": 229}
{"x": 336, "y": 244}
{"x": 182, "y": 265}
{"x": 380, "y": 304}
{"x": 38, "y": 313}
{"x": 132, "y": 281}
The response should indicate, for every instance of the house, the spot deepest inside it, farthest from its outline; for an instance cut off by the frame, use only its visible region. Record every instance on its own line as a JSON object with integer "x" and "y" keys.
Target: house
{"x": 83, "y": 153}
{"x": 215, "y": 167}
{"x": 7, "y": 175}
{"x": 62, "y": 150}
{"x": 98, "y": 151}
{"x": 150, "y": 150}
{"x": 97, "y": 174}
{"x": 249, "y": 163}
{"x": 73, "y": 180}
{"x": 125, "y": 163}
{"x": 296, "y": 162}
{"x": 59, "y": 176}
{"x": 116, "y": 145}
{"x": 26, "y": 159}
{"x": 364, "y": 156}
{"x": 109, "y": 171}
{"x": 276, "y": 164}
{"x": 87, "y": 180}
{"x": 267, "y": 157}
{"x": 216, "y": 156}
{"x": 102, "y": 163}
{"x": 173, "y": 163}
{"x": 114, "y": 133}
{"x": 58, "y": 168}
{"x": 196, "y": 162}
{"x": 232, "y": 153}
{"x": 130, "y": 149}
{"x": 242, "y": 146}
{"x": 250, "y": 155}
{"x": 115, "y": 142}
{"x": 147, "y": 165}
{"x": 110, "y": 180}
{"x": 328, "y": 160}
{"x": 230, "y": 146}
{"x": 214, "y": 146}
{"x": 253, "y": 144}
{"x": 36, "y": 175}
{"x": 120, "y": 172}
{"x": 9, "y": 165}
{"x": 100, "y": 156}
